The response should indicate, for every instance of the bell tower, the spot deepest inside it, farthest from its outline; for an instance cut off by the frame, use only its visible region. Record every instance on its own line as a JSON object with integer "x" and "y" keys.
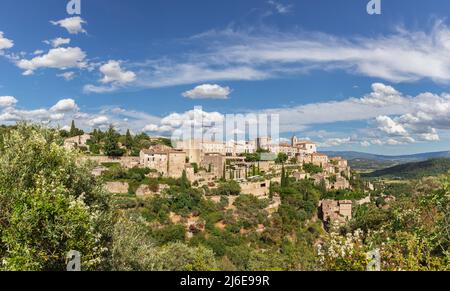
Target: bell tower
{"x": 294, "y": 140}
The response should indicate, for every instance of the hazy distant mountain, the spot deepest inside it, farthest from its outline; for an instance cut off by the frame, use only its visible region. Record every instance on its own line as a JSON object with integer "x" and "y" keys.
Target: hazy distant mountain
{"x": 414, "y": 170}
{"x": 404, "y": 159}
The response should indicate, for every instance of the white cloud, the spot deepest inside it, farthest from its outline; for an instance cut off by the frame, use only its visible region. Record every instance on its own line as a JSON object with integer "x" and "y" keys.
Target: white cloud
{"x": 401, "y": 56}
{"x": 333, "y": 142}
{"x": 165, "y": 74}
{"x": 7, "y": 101}
{"x": 66, "y": 110}
{"x": 89, "y": 88}
{"x": 150, "y": 128}
{"x": 194, "y": 117}
{"x": 57, "y": 58}
{"x": 351, "y": 109}
{"x": 57, "y": 42}
{"x": 113, "y": 73}
{"x": 5, "y": 43}
{"x": 99, "y": 121}
{"x": 389, "y": 126}
{"x": 67, "y": 75}
{"x": 65, "y": 105}
{"x": 57, "y": 116}
{"x": 382, "y": 95}
{"x": 208, "y": 91}
{"x": 430, "y": 136}
{"x": 74, "y": 25}
{"x": 114, "y": 76}
{"x": 280, "y": 8}
{"x": 398, "y": 119}
{"x": 38, "y": 52}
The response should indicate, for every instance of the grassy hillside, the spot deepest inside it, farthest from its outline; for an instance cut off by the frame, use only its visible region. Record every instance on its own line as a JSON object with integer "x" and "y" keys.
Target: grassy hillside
{"x": 370, "y": 165}
{"x": 415, "y": 170}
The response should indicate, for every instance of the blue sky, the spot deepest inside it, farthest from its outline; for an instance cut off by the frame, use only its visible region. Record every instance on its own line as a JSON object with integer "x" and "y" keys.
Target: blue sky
{"x": 335, "y": 74}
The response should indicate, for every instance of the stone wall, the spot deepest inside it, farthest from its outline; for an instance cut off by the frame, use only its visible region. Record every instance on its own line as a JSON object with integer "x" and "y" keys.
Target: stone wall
{"x": 126, "y": 162}
{"x": 177, "y": 162}
{"x": 117, "y": 187}
{"x": 144, "y": 190}
{"x": 255, "y": 188}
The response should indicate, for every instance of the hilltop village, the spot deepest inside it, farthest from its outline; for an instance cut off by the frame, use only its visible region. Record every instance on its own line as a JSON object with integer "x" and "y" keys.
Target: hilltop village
{"x": 253, "y": 166}
{"x": 202, "y": 205}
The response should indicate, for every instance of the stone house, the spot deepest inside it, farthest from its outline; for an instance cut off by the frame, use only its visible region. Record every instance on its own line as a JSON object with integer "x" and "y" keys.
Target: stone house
{"x": 341, "y": 165}
{"x": 305, "y": 146}
{"x": 336, "y": 211}
{"x": 319, "y": 159}
{"x": 165, "y": 160}
{"x": 202, "y": 176}
{"x": 339, "y": 162}
{"x": 257, "y": 189}
{"x": 77, "y": 141}
{"x": 341, "y": 183}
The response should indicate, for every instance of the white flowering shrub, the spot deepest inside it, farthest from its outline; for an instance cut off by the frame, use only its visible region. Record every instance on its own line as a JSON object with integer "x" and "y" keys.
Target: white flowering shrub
{"x": 49, "y": 204}
{"x": 342, "y": 253}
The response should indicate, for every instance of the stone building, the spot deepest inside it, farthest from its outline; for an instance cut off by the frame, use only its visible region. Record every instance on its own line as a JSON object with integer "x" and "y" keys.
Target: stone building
{"x": 336, "y": 211}
{"x": 258, "y": 189}
{"x": 306, "y": 146}
{"x": 341, "y": 183}
{"x": 77, "y": 141}
{"x": 341, "y": 166}
{"x": 167, "y": 161}
{"x": 319, "y": 159}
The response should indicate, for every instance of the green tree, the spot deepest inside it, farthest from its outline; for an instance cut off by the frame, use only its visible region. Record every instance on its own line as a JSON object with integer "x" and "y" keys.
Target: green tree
{"x": 111, "y": 147}
{"x": 128, "y": 140}
{"x": 184, "y": 182}
{"x": 282, "y": 158}
{"x": 49, "y": 204}
{"x": 74, "y": 131}
{"x": 134, "y": 250}
{"x": 229, "y": 188}
{"x": 312, "y": 169}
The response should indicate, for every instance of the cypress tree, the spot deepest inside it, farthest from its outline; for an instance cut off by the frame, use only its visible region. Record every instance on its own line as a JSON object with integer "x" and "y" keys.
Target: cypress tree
{"x": 184, "y": 181}
{"x": 128, "y": 140}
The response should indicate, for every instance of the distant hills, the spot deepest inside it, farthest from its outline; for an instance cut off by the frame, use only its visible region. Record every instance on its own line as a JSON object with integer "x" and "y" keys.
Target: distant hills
{"x": 370, "y": 162}
{"x": 414, "y": 170}
{"x": 404, "y": 159}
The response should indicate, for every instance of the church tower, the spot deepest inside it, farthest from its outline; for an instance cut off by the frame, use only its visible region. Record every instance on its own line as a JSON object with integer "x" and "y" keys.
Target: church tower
{"x": 294, "y": 140}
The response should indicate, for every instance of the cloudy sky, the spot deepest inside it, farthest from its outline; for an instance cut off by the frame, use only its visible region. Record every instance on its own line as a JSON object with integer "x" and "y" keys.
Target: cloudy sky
{"x": 333, "y": 73}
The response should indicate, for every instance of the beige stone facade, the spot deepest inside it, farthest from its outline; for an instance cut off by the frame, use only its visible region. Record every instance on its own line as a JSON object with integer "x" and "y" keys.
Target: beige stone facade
{"x": 336, "y": 211}
{"x": 77, "y": 141}
{"x": 257, "y": 189}
{"x": 167, "y": 161}
{"x": 319, "y": 159}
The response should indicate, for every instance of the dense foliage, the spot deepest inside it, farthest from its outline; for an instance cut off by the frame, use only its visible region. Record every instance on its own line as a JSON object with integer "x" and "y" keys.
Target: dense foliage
{"x": 49, "y": 204}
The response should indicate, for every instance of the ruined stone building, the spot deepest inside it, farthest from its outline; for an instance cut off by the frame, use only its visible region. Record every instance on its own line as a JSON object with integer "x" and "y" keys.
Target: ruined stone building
{"x": 77, "y": 141}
